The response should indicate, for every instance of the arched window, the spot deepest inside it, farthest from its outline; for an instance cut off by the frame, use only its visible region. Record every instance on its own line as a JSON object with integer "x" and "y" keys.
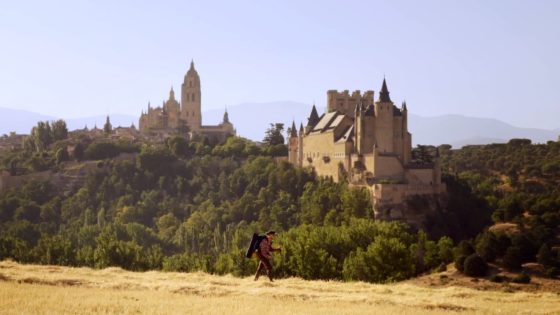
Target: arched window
{"x": 192, "y": 98}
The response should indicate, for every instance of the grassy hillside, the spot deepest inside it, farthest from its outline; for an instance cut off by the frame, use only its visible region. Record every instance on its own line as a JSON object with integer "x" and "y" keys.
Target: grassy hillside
{"x": 37, "y": 289}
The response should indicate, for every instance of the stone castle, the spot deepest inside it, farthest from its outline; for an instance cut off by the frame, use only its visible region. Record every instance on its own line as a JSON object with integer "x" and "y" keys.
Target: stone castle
{"x": 185, "y": 117}
{"x": 367, "y": 143}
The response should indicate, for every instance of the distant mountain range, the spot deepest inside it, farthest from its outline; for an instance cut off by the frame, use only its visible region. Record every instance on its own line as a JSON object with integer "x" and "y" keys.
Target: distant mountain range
{"x": 252, "y": 119}
{"x": 21, "y": 121}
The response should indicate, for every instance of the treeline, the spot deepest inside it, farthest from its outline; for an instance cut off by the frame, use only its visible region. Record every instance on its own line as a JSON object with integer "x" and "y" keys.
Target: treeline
{"x": 520, "y": 183}
{"x": 188, "y": 205}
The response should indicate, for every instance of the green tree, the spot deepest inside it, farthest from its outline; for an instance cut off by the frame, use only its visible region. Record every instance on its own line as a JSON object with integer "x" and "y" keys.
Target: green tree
{"x": 62, "y": 155}
{"x": 78, "y": 151}
{"x": 273, "y": 135}
{"x": 59, "y": 130}
{"x": 544, "y": 256}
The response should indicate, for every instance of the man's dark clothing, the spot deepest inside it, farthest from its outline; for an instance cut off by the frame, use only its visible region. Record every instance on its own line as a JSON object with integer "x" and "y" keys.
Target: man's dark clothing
{"x": 264, "y": 253}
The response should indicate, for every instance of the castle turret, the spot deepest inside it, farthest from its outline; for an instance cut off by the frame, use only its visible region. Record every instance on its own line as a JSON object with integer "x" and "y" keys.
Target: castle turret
{"x": 293, "y": 130}
{"x": 312, "y": 120}
{"x": 300, "y": 144}
{"x": 293, "y": 144}
{"x": 406, "y": 136}
{"x": 358, "y": 128}
{"x": 384, "y": 93}
{"x": 191, "y": 99}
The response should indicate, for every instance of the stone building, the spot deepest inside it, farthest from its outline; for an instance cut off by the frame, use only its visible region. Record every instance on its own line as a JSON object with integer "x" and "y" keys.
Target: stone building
{"x": 185, "y": 117}
{"x": 367, "y": 143}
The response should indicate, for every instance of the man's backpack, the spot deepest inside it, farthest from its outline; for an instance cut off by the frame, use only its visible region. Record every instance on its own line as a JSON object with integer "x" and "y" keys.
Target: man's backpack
{"x": 254, "y": 245}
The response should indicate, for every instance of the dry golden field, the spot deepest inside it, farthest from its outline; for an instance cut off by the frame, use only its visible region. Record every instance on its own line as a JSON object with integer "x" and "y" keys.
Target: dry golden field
{"x": 34, "y": 289}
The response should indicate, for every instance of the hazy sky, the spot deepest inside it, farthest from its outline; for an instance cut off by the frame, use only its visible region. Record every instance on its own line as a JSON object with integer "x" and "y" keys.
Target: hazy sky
{"x": 485, "y": 58}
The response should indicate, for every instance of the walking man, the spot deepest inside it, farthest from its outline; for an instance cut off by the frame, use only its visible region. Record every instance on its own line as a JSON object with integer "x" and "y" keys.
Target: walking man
{"x": 264, "y": 252}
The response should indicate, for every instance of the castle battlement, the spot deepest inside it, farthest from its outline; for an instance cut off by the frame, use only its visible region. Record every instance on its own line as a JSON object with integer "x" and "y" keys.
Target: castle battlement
{"x": 345, "y": 102}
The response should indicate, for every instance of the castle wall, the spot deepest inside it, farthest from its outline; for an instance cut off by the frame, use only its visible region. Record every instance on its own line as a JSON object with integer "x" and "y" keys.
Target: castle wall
{"x": 422, "y": 176}
{"x": 321, "y": 152}
{"x": 398, "y": 137}
{"x": 387, "y": 167}
{"x": 368, "y": 134}
{"x": 293, "y": 149}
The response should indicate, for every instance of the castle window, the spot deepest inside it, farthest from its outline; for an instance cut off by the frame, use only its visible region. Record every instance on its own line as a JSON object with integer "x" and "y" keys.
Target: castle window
{"x": 192, "y": 97}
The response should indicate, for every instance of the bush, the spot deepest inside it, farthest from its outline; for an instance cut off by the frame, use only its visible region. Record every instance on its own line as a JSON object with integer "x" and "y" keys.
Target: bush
{"x": 496, "y": 278}
{"x": 544, "y": 257}
{"x": 552, "y": 272}
{"x": 442, "y": 267}
{"x": 522, "y": 278}
{"x": 465, "y": 248}
{"x": 487, "y": 246}
{"x": 475, "y": 266}
{"x": 512, "y": 258}
{"x": 460, "y": 262}
{"x": 101, "y": 150}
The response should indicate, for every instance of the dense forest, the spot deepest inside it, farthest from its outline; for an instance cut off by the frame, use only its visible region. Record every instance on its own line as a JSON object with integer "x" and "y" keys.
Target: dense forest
{"x": 193, "y": 205}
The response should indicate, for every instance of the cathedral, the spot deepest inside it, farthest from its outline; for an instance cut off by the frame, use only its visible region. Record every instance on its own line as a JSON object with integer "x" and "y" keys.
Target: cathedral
{"x": 185, "y": 117}
{"x": 367, "y": 143}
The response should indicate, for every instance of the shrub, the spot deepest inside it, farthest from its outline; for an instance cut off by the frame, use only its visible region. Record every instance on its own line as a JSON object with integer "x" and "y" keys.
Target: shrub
{"x": 522, "y": 278}
{"x": 552, "y": 272}
{"x": 512, "y": 258}
{"x": 101, "y": 150}
{"x": 465, "y": 248}
{"x": 460, "y": 262}
{"x": 442, "y": 267}
{"x": 487, "y": 246}
{"x": 496, "y": 278}
{"x": 544, "y": 257}
{"x": 475, "y": 266}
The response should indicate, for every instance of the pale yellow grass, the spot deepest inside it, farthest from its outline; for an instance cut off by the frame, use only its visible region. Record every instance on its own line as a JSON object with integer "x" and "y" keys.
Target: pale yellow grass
{"x": 33, "y": 289}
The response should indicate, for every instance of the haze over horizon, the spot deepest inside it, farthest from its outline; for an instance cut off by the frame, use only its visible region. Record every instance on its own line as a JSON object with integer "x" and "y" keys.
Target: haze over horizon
{"x": 483, "y": 59}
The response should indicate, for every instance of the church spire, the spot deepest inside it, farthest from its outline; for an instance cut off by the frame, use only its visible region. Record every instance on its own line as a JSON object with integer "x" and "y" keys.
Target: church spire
{"x": 172, "y": 94}
{"x": 226, "y": 117}
{"x": 384, "y": 94}
{"x": 300, "y": 129}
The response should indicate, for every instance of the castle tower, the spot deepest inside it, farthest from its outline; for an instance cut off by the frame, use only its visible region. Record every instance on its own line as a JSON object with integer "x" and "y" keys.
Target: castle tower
{"x": 384, "y": 121}
{"x": 293, "y": 144}
{"x": 300, "y": 145}
{"x": 407, "y": 137}
{"x": 191, "y": 99}
{"x": 358, "y": 129}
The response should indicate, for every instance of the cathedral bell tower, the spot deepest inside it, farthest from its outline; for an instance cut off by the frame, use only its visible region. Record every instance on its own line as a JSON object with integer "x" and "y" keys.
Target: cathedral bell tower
{"x": 191, "y": 99}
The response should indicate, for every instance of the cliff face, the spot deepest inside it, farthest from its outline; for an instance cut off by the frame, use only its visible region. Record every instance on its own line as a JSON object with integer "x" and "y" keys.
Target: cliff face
{"x": 415, "y": 210}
